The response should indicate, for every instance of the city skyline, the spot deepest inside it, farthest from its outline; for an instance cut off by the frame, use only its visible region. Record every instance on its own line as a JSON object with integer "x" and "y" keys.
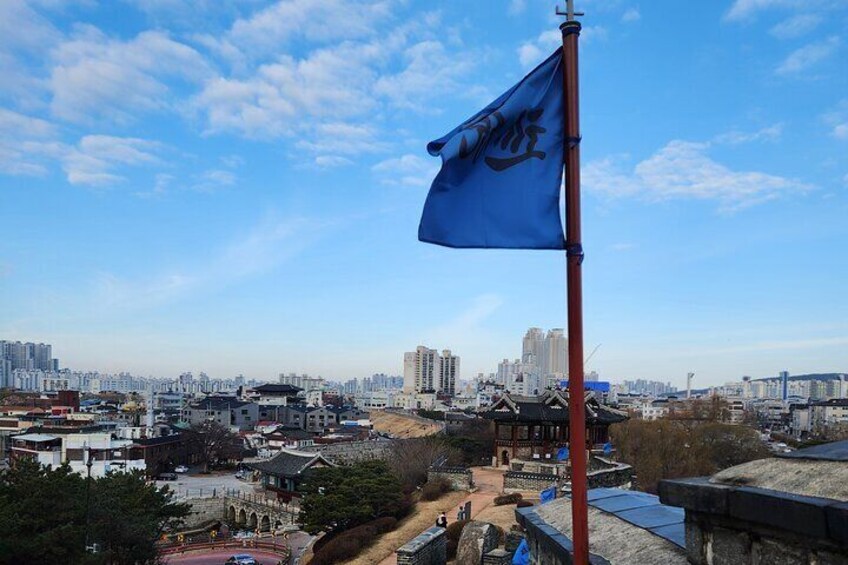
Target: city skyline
{"x": 237, "y": 189}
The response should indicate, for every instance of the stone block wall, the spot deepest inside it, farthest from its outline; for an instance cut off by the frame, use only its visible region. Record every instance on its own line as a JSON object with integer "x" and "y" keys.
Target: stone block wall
{"x": 204, "y": 510}
{"x": 519, "y": 480}
{"x": 428, "y": 548}
{"x": 460, "y": 478}
{"x": 609, "y": 474}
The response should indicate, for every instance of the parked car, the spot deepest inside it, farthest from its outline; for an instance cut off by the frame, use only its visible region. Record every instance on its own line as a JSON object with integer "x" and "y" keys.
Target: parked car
{"x": 167, "y": 476}
{"x": 181, "y": 469}
{"x": 241, "y": 559}
{"x": 240, "y": 475}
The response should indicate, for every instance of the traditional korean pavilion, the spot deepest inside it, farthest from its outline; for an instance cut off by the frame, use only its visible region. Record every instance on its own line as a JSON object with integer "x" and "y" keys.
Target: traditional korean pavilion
{"x": 536, "y": 427}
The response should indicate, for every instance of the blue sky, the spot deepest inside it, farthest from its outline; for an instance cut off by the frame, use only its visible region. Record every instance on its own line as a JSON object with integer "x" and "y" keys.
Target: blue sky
{"x": 234, "y": 186}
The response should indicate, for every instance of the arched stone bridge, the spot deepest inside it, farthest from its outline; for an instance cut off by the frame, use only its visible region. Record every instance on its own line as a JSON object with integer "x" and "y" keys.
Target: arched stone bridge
{"x": 241, "y": 510}
{"x": 255, "y": 512}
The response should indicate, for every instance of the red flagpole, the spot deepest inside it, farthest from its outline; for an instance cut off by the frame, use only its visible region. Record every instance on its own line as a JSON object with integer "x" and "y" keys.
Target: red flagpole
{"x": 574, "y": 259}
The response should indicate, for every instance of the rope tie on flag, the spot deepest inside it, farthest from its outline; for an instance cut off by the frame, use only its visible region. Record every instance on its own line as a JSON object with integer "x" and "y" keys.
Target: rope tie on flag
{"x": 573, "y": 141}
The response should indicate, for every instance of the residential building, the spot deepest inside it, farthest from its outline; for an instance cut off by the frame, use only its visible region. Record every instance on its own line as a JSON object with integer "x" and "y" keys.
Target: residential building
{"x": 281, "y": 394}
{"x": 420, "y": 370}
{"x": 828, "y": 413}
{"x": 226, "y": 410}
{"x": 448, "y": 372}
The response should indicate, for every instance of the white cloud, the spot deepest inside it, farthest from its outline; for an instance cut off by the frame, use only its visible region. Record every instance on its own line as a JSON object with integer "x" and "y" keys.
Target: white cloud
{"x": 327, "y": 20}
{"x": 331, "y": 161}
{"x": 94, "y": 160}
{"x": 517, "y": 7}
{"x": 427, "y": 65}
{"x": 631, "y": 15}
{"x": 683, "y": 169}
{"x": 838, "y": 120}
{"x": 803, "y": 58}
{"x": 747, "y": 9}
{"x": 796, "y": 26}
{"x": 770, "y": 133}
{"x": 96, "y": 77}
{"x": 214, "y": 179}
{"x": 533, "y": 52}
{"x": 407, "y": 170}
{"x": 263, "y": 248}
{"x": 622, "y": 246}
{"x": 24, "y": 29}
{"x": 13, "y": 124}
{"x": 465, "y": 330}
{"x": 529, "y": 55}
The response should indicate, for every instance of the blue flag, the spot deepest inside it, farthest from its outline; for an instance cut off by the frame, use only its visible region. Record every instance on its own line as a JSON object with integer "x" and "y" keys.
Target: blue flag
{"x": 522, "y": 554}
{"x": 499, "y": 184}
{"x": 547, "y": 495}
{"x": 607, "y": 448}
{"x": 562, "y": 454}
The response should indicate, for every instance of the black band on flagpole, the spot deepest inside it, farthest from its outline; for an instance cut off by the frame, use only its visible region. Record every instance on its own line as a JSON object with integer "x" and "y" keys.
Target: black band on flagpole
{"x": 569, "y": 27}
{"x": 574, "y": 250}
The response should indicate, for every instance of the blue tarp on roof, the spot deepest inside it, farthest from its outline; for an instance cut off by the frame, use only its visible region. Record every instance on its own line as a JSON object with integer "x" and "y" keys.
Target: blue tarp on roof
{"x": 642, "y": 510}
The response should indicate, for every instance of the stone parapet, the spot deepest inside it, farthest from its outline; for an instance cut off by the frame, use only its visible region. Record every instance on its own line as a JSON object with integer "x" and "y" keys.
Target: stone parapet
{"x": 743, "y": 525}
{"x": 519, "y": 480}
{"x": 428, "y": 548}
{"x": 460, "y": 478}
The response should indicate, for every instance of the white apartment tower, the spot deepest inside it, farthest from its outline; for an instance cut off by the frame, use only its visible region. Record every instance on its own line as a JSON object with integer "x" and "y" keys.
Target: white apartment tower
{"x": 448, "y": 372}
{"x": 424, "y": 370}
{"x": 548, "y": 352}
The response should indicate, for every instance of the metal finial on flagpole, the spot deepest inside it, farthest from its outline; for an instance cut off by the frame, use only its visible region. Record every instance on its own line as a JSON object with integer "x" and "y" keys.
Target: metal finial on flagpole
{"x": 569, "y": 12}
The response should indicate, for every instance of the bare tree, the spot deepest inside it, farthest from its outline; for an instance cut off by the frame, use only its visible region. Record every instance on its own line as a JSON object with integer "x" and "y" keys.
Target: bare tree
{"x": 409, "y": 459}
{"x": 215, "y": 442}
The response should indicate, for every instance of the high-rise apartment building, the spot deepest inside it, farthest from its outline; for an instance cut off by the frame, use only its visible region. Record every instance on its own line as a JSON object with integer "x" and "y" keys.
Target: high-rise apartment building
{"x": 448, "y": 372}
{"x": 27, "y": 356}
{"x": 425, "y": 370}
{"x": 547, "y": 351}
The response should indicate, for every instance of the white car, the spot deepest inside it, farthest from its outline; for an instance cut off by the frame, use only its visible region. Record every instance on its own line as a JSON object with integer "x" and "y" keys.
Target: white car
{"x": 181, "y": 469}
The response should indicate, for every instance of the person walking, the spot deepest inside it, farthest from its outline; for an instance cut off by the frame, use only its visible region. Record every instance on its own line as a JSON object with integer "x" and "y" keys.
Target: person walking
{"x": 442, "y": 521}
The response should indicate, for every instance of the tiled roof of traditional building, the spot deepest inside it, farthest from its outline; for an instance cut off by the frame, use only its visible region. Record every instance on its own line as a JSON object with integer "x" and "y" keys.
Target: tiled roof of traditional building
{"x": 288, "y": 463}
{"x": 549, "y": 407}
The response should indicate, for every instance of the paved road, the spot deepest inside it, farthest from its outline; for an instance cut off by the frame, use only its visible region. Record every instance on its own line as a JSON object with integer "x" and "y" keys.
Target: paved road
{"x": 220, "y": 557}
{"x": 297, "y": 541}
{"x": 194, "y": 484}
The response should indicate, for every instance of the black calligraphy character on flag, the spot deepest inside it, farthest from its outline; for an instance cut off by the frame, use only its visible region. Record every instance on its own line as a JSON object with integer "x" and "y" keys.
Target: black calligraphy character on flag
{"x": 514, "y": 136}
{"x": 486, "y": 128}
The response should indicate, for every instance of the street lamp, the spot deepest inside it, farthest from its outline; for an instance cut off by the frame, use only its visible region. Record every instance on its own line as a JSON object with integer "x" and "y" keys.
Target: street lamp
{"x": 86, "y": 451}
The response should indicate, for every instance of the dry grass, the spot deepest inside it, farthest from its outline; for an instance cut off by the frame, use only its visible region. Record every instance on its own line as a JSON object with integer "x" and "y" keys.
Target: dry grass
{"x": 423, "y": 516}
{"x": 401, "y": 426}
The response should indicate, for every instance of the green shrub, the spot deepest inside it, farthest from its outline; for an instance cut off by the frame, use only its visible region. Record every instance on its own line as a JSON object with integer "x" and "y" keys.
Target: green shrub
{"x": 507, "y": 499}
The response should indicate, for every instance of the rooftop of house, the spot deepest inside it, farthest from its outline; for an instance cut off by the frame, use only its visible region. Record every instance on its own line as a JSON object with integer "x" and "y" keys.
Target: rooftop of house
{"x": 217, "y": 403}
{"x": 277, "y": 389}
{"x": 832, "y": 402}
{"x": 625, "y": 527}
{"x": 35, "y": 438}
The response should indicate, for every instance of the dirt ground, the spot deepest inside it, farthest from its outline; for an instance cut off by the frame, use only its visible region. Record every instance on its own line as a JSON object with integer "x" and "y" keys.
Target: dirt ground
{"x": 401, "y": 426}
{"x": 423, "y": 517}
